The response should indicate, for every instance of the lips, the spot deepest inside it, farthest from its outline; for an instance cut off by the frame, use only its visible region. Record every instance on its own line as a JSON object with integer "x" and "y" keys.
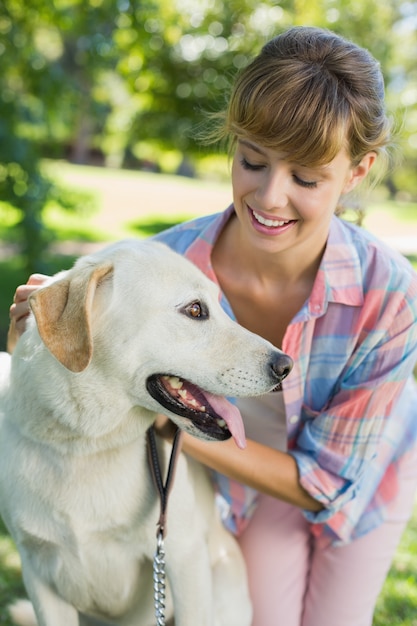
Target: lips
{"x": 269, "y": 222}
{"x": 270, "y": 225}
{"x": 213, "y": 415}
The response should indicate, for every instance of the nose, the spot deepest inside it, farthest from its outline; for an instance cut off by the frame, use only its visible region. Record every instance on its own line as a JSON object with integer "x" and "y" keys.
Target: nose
{"x": 272, "y": 193}
{"x": 281, "y": 366}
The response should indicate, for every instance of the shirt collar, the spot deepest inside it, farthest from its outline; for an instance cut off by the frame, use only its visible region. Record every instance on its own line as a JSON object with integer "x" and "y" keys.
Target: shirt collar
{"x": 339, "y": 277}
{"x": 199, "y": 252}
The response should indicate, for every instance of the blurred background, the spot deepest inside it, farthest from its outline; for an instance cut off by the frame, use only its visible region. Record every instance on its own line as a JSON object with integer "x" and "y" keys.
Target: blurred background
{"x": 101, "y": 103}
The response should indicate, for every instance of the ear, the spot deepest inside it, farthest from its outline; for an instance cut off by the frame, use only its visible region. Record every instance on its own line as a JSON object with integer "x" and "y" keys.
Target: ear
{"x": 359, "y": 172}
{"x": 63, "y": 315}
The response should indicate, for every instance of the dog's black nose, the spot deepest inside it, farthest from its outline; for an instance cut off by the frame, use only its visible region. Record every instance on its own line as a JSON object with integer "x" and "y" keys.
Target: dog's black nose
{"x": 282, "y": 366}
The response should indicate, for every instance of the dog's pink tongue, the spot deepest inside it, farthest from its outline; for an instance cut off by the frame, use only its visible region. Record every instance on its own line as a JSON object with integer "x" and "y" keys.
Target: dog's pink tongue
{"x": 231, "y": 415}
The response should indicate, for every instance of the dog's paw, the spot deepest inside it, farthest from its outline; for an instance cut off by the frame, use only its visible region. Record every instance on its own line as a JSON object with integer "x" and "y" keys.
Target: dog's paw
{"x": 22, "y": 613}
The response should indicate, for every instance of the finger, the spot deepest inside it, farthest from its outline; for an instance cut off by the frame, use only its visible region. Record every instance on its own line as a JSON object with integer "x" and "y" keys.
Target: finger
{"x": 16, "y": 329}
{"x": 12, "y": 338}
{"x": 161, "y": 421}
{"x": 37, "y": 279}
{"x": 164, "y": 427}
{"x": 19, "y": 311}
{"x": 23, "y": 292}
{"x": 18, "y": 317}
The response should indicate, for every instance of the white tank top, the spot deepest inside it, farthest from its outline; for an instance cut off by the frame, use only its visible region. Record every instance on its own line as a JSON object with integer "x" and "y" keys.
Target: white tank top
{"x": 265, "y": 419}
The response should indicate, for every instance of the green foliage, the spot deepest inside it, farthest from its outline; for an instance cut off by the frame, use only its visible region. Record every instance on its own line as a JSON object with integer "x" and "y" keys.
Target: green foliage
{"x": 30, "y": 85}
{"x": 21, "y": 183}
{"x": 108, "y": 75}
{"x": 125, "y": 81}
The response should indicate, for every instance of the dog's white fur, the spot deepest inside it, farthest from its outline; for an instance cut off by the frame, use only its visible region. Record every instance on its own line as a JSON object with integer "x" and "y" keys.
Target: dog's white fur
{"x": 75, "y": 489}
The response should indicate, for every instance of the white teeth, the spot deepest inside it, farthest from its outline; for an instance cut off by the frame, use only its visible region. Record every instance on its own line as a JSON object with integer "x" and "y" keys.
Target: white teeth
{"x": 176, "y": 383}
{"x": 221, "y": 423}
{"x": 173, "y": 381}
{"x": 266, "y": 222}
{"x": 191, "y": 402}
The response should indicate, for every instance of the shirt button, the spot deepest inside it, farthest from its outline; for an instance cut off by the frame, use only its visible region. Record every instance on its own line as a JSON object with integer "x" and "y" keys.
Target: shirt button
{"x": 293, "y": 419}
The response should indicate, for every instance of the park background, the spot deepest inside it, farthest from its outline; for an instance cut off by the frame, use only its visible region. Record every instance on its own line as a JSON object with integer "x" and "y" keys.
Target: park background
{"x": 101, "y": 106}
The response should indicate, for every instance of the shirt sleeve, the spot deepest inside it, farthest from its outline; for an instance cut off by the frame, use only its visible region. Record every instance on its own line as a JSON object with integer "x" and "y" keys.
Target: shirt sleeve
{"x": 343, "y": 451}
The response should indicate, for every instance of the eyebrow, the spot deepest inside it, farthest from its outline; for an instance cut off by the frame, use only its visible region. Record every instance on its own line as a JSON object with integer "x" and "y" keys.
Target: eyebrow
{"x": 251, "y": 146}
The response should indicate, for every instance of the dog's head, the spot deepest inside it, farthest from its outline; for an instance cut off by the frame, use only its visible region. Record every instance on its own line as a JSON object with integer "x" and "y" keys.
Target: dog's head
{"x": 150, "y": 323}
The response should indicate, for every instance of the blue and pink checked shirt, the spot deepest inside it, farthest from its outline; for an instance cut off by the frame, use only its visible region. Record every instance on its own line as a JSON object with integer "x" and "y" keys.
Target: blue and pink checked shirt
{"x": 350, "y": 400}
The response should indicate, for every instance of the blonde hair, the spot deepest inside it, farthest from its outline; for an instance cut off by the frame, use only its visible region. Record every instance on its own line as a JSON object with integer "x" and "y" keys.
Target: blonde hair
{"x": 309, "y": 93}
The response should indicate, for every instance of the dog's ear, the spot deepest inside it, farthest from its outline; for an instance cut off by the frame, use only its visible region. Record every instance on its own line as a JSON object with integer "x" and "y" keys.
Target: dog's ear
{"x": 63, "y": 315}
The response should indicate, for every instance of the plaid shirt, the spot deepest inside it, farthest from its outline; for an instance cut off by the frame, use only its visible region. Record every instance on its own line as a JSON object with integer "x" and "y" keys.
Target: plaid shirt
{"x": 350, "y": 400}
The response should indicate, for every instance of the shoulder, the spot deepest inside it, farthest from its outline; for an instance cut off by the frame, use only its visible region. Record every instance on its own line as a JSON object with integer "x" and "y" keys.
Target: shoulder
{"x": 182, "y": 236}
{"x": 381, "y": 267}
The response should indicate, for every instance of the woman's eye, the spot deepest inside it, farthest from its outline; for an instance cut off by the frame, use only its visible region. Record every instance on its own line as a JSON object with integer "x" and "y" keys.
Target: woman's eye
{"x": 250, "y": 166}
{"x": 305, "y": 183}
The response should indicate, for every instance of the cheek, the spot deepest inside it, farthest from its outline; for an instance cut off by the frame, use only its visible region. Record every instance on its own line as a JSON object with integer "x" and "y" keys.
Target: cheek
{"x": 238, "y": 179}
{"x": 318, "y": 206}
{"x": 243, "y": 181}
{"x": 234, "y": 175}
{"x": 240, "y": 186}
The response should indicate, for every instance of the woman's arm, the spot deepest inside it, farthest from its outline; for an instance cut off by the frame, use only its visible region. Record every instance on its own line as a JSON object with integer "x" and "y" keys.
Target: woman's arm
{"x": 267, "y": 470}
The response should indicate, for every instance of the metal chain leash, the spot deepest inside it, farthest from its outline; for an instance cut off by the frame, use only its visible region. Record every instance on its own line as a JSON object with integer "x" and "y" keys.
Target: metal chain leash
{"x": 159, "y": 578}
{"x": 159, "y": 584}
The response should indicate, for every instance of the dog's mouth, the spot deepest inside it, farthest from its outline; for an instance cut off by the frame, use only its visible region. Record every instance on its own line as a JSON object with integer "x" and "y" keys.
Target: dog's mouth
{"x": 213, "y": 415}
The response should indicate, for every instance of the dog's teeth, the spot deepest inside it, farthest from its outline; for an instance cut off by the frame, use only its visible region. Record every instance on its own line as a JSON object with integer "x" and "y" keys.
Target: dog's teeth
{"x": 174, "y": 381}
{"x": 221, "y": 423}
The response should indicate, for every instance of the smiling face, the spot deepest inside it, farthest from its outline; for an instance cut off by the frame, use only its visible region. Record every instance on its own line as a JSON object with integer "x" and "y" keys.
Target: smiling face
{"x": 281, "y": 204}
{"x": 307, "y": 118}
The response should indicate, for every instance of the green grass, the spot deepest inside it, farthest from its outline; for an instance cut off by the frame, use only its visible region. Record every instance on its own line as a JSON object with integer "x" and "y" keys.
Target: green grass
{"x": 397, "y": 604}
{"x": 11, "y": 586}
{"x": 159, "y": 203}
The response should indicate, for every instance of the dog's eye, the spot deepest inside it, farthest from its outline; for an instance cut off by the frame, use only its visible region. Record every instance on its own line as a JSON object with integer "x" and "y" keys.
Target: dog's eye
{"x": 196, "y": 310}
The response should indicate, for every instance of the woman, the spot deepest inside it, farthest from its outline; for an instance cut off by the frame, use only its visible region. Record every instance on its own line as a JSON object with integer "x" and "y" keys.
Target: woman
{"x": 321, "y": 495}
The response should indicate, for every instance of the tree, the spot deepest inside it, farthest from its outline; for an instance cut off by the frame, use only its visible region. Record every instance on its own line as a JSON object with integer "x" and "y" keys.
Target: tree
{"x": 21, "y": 182}
{"x": 51, "y": 57}
{"x": 178, "y": 66}
{"x": 110, "y": 76}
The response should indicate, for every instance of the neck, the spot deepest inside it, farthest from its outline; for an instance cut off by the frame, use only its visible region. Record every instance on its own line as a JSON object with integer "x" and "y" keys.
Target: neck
{"x": 287, "y": 267}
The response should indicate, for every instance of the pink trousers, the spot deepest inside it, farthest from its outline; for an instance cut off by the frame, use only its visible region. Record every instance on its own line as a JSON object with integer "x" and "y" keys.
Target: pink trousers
{"x": 293, "y": 582}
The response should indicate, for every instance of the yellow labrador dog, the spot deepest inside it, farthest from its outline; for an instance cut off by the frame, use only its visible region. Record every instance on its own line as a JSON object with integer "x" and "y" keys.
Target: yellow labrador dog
{"x": 129, "y": 331}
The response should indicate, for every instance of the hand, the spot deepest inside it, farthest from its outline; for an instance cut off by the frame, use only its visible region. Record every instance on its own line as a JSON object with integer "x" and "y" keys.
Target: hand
{"x": 19, "y": 310}
{"x": 164, "y": 427}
